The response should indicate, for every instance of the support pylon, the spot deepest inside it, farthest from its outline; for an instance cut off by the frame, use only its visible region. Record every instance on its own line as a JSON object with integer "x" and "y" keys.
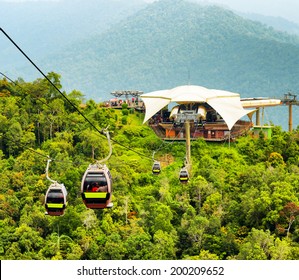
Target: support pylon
{"x": 188, "y": 144}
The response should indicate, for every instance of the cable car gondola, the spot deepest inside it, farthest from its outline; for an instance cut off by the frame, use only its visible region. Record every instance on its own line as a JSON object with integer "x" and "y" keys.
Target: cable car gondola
{"x": 96, "y": 187}
{"x": 56, "y": 196}
{"x": 184, "y": 175}
{"x": 56, "y": 199}
{"x": 156, "y": 169}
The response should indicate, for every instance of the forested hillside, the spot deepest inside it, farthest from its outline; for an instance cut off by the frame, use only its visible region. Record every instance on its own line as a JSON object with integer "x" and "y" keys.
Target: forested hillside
{"x": 241, "y": 201}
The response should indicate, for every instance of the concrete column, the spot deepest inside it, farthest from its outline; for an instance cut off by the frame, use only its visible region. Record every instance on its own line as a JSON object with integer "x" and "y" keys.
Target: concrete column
{"x": 258, "y": 119}
{"x": 290, "y": 117}
{"x": 188, "y": 143}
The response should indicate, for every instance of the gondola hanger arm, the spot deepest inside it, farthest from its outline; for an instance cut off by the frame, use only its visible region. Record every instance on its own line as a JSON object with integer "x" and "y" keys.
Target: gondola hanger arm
{"x": 106, "y": 132}
{"x": 47, "y": 171}
{"x": 154, "y": 156}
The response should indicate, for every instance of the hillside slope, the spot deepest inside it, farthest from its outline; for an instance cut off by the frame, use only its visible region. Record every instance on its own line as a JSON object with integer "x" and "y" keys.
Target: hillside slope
{"x": 277, "y": 23}
{"x": 240, "y": 203}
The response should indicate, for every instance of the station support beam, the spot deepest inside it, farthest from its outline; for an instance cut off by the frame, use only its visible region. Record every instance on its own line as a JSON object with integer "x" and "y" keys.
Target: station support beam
{"x": 188, "y": 144}
{"x": 258, "y": 118}
{"x": 290, "y": 117}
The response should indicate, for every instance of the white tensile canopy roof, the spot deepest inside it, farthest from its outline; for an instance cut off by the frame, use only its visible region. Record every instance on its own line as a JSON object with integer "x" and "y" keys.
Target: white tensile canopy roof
{"x": 226, "y": 103}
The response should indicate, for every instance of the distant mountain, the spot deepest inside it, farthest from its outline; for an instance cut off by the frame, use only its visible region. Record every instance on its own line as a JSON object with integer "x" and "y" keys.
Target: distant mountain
{"x": 44, "y": 28}
{"x": 170, "y": 43}
{"x": 277, "y": 23}
{"x": 174, "y": 42}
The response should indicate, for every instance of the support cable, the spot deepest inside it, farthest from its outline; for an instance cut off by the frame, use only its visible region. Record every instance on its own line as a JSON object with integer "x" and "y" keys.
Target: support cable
{"x": 16, "y": 84}
{"x": 42, "y": 73}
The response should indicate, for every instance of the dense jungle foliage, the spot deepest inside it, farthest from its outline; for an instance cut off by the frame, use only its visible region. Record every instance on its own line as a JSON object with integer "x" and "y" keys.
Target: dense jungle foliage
{"x": 241, "y": 201}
